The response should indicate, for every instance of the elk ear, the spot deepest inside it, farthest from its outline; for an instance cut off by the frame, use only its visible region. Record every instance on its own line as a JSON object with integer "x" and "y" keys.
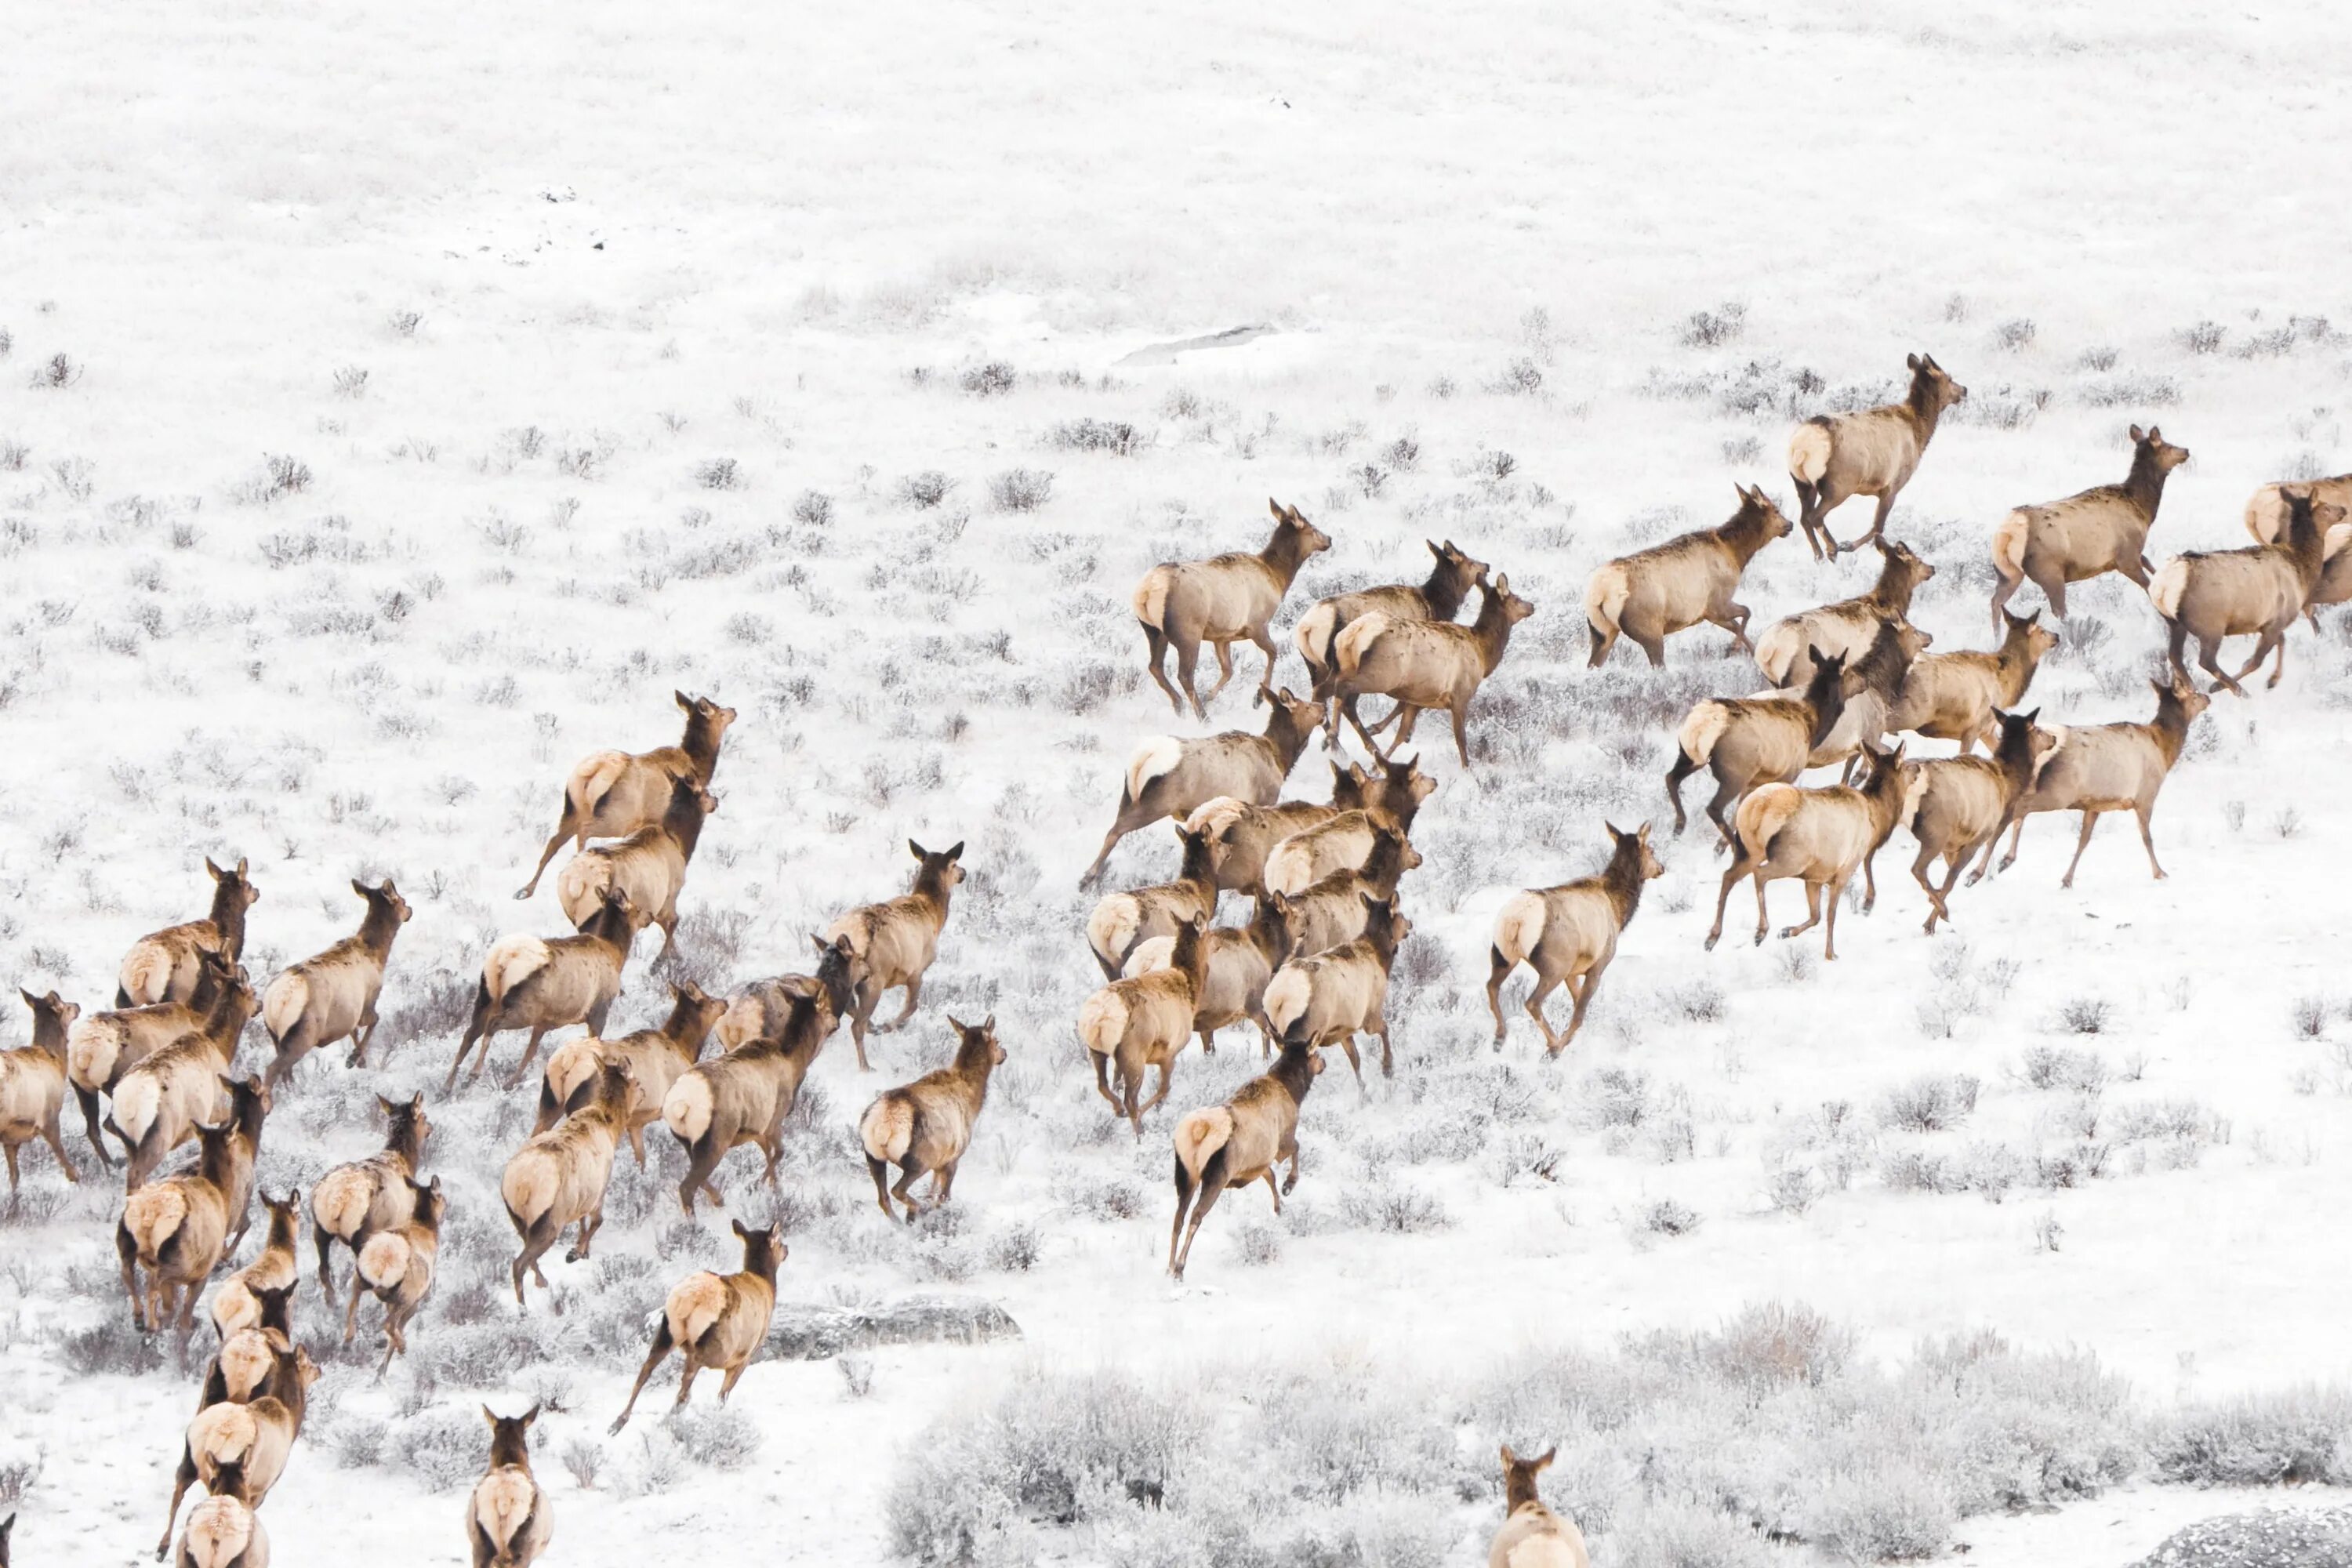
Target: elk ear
{"x": 1274, "y": 507}
{"x": 684, "y": 700}
{"x": 988, "y": 1024}
{"x": 219, "y": 875}
{"x": 362, "y": 888}
{"x": 240, "y": 866}
{"x": 1911, "y": 362}
{"x": 2137, "y": 435}
{"x": 1509, "y": 1458}
{"x": 30, "y": 1000}
{"x": 1645, "y": 833}
{"x": 491, "y": 1417}
{"x": 1436, "y": 549}
{"x": 2154, "y": 434}
{"x": 955, "y": 850}
{"x": 958, "y": 1024}
{"x": 530, "y": 1415}
{"x": 741, "y": 1231}
{"x": 1544, "y": 1458}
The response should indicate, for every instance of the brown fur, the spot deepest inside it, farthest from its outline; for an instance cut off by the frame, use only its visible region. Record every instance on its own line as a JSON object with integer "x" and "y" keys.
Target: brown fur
{"x": 1789, "y": 647}
{"x": 2111, "y": 767}
{"x": 1221, "y": 601}
{"x": 508, "y": 1521}
{"x": 1331, "y": 910}
{"x": 1133, "y": 1024}
{"x": 1653, "y": 594}
{"x": 1568, "y": 935}
{"x": 897, "y": 940}
{"x": 1232, "y": 987}
{"x": 1872, "y": 686}
{"x": 238, "y": 1303}
{"x": 165, "y": 967}
{"x": 1745, "y": 742}
{"x": 240, "y": 1450}
{"x": 650, "y": 863}
{"x": 1173, "y": 777}
{"x": 2266, "y": 513}
{"x": 1240, "y": 1142}
{"x": 222, "y": 1532}
{"x": 332, "y": 996}
{"x": 159, "y": 1104}
{"x": 611, "y": 795}
{"x": 2220, "y": 594}
{"x": 559, "y": 1177}
{"x": 1437, "y": 599}
{"x": 716, "y": 1320}
{"x": 1958, "y": 806}
{"x": 397, "y": 1267}
{"x": 1121, "y": 922}
{"x": 1241, "y": 835}
{"x": 1817, "y": 835}
{"x": 177, "y": 1231}
{"x": 33, "y": 1086}
{"x": 2101, "y": 530}
{"x": 1952, "y": 696}
{"x": 103, "y": 1047}
{"x": 542, "y": 983}
{"x": 1343, "y": 841}
{"x": 1328, "y": 998}
{"x": 1422, "y": 664}
{"x": 1533, "y": 1536}
{"x": 655, "y": 1057}
{"x": 354, "y": 1201}
{"x": 1833, "y": 458}
{"x": 927, "y": 1125}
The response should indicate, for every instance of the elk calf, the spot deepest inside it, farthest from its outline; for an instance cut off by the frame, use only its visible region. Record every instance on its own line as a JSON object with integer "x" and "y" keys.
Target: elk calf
{"x": 33, "y": 1086}
{"x": 655, "y": 1057}
{"x": 927, "y": 1125}
{"x": 238, "y": 1304}
{"x": 1331, "y": 911}
{"x": 1184, "y": 604}
{"x": 715, "y": 1321}
{"x": 2111, "y": 767}
{"x": 1134, "y": 1025}
{"x": 896, "y": 942}
{"x": 1422, "y": 664}
{"x": 540, "y": 983}
{"x": 1173, "y": 777}
{"x": 1438, "y": 599}
{"x": 353, "y": 1201}
{"x": 1568, "y": 935}
{"x": 1745, "y": 741}
{"x": 1239, "y": 1142}
{"x": 1328, "y": 998}
{"x": 1951, "y": 695}
{"x": 159, "y": 1103}
{"x": 165, "y": 967}
{"x": 1789, "y": 647}
{"x": 2086, "y": 535}
{"x": 559, "y": 1177}
{"x": 240, "y": 1450}
{"x": 1232, "y": 987}
{"x": 103, "y": 1047}
{"x": 177, "y": 1230}
{"x": 1532, "y": 1535}
{"x": 1653, "y": 594}
{"x": 2218, "y": 594}
{"x": 611, "y": 795}
{"x": 507, "y": 1518}
{"x": 1123, "y": 921}
{"x": 397, "y": 1266}
{"x": 222, "y": 1532}
{"x": 1957, "y": 806}
{"x": 650, "y": 864}
{"x": 327, "y": 998}
{"x": 1819, "y": 836}
{"x": 1833, "y": 458}
{"x": 1343, "y": 842}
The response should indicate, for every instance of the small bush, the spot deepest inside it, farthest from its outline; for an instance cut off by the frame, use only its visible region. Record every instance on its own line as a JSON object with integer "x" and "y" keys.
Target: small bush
{"x": 2015, "y": 335}
{"x": 110, "y": 1346}
{"x": 403, "y": 323}
{"x": 584, "y": 1460}
{"x": 1929, "y": 1104}
{"x": 925, "y": 491}
{"x": 2204, "y": 338}
{"x": 1107, "y": 1197}
{"x": 1017, "y": 1249}
{"x": 856, "y": 1375}
{"x": 1020, "y": 490}
{"x": 1395, "y": 1208}
{"x": 1116, "y": 436}
{"x": 1258, "y": 1244}
{"x": 814, "y": 508}
{"x": 2085, "y": 1016}
{"x": 714, "y": 1436}
{"x": 991, "y": 380}
{"x": 1713, "y": 329}
{"x": 444, "y": 1448}
{"x": 1667, "y": 1218}
{"x": 56, "y": 373}
{"x": 2310, "y": 1016}
{"x": 1794, "y": 1189}
{"x": 1891, "y": 1514}
{"x": 1520, "y": 378}
{"x": 2301, "y": 1435}
{"x": 717, "y": 474}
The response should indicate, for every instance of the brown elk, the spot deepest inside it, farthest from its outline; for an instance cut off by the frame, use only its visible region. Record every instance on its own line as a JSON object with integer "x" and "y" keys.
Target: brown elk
{"x": 2086, "y": 535}
{"x": 1331, "y": 911}
{"x": 1343, "y": 842}
{"x": 222, "y": 1532}
{"x": 1833, "y": 457}
{"x": 1957, "y": 806}
{"x": 327, "y": 998}
{"x": 558, "y": 1178}
{"x": 1568, "y": 935}
{"x": 103, "y": 1047}
{"x": 611, "y": 795}
{"x": 547, "y": 982}
{"x": 1328, "y": 998}
{"x": 33, "y": 1086}
{"x": 1653, "y": 594}
{"x": 1184, "y": 604}
{"x": 1749, "y": 740}
{"x": 251, "y": 1364}
{"x": 927, "y": 1125}
{"x": 165, "y": 966}
{"x": 2266, "y": 517}
{"x": 1422, "y": 664}
{"x": 1240, "y": 836}
{"x": 397, "y": 1266}
{"x": 2262, "y": 589}
{"x": 1789, "y": 647}
{"x": 177, "y": 1230}
{"x": 508, "y": 1521}
{"x": 1240, "y": 1142}
{"x": 1123, "y": 921}
{"x": 1951, "y": 695}
{"x": 1438, "y": 599}
{"x": 650, "y": 863}
{"x": 238, "y": 1303}
{"x": 158, "y": 1103}
{"x": 1820, "y": 836}
{"x": 1233, "y": 988}
{"x": 1532, "y": 1535}
{"x": 1171, "y": 777}
{"x": 717, "y": 1321}
{"x": 1873, "y": 684}
{"x": 353, "y": 1201}
{"x": 744, "y": 1096}
{"x": 896, "y": 941}
{"x": 655, "y": 1058}
{"x": 2111, "y": 767}
{"x": 240, "y": 1450}
{"x": 1131, "y": 1026}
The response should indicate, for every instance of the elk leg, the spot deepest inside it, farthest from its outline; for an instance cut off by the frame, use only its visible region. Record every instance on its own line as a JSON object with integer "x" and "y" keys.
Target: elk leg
{"x": 1740, "y": 865}
{"x": 1545, "y": 985}
{"x": 1167, "y": 1072}
{"x": 1355, "y": 716}
{"x": 88, "y": 1098}
{"x": 2016, "y": 832}
{"x": 1129, "y": 818}
{"x": 1808, "y": 512}
{"x": 1919, "y": 874}
{"x": 1603, "y": 641}
{"x": 1813, "y": 909}
{"x": 1131, "y": 1089}
{"x": 1380, "y": 1027}
{"x": 589, "y": 1224}
{"x": 914, "y": 995}
{"x": 1355, "y": 1063}
{"x": 1224, "y": 652}
{"x": 1837, "y": 896}
{"x": 363, "y": 1033}
{"x": 1461, "y": 730}
{"x": 2207, "y": 650}
{"x": 906, "y": 1174}
{"x": 1212, "y": 1189}
{"x": 1583, "y": 988}
{"x": 1102, "y": 1076}
{"x": 2089, "y": 821}
{"x": 8, "y": 1151}
{"x": 1683, "y": 767}
{"x": 127, "y": 1250}
{"x": 187, "y": 1473}
{"x": 1188, "y": 660}
{"x": 1265, "y": 640}
{"x": 529, "y": 1054}
{"x": 727, "y": 1383}
{"x": 565, "y": 827}
{"x": 2000, "y": 593}
{"x": 322, "y": 1241}
{"x": 943, "y": 1181}
{"x": 654, "y": 1358}
{"x": 55, "y": 1141}
{"x": 1155, "y": 645}
{"x": 702, "y": 1159}
{"x": 2053, "y": 585}
{"x": 1499, "y": 969}
{"x": 1877, "y": 523}
{"x": 2145, "y": 810}
{"x": 880, "y": 1171}
{"x": 1655, "y": 648}
{"x": 2278, "y": 641}
{"x": 1184, "y": 1201}
{"x": 1726, "y": 794}
{"x": 352, "y": 1315}
{"x": 480, "y": 1028}
{"x": 1870, "y": 879}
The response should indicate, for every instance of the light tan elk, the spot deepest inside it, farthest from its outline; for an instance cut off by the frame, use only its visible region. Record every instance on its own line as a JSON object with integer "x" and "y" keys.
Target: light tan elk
{"x": 927, "y": 1125}
{"x": 717, "y": 1321}
{"x": 2266, "y": 515}
{"x": 158, "y": 1103}
{"x": 611, "y": 795}
{"x": 333, "y": 996}
{"x": 1951, "y": 695}
{"x": 1833, "y": 457}
{"x": 2111, "y": 767}
{"x": 508, "y": 1521}
{"x": 165, "y": 967}
{"x": 397, "y": 1266}
{"x": 1789, "y": 647}
{"x": 1233, "y": 988}
{"x": 247, "y": 1361}
{"x": 1653, "y": 594}
{"x": 1332, "y": 910}
{"x": 655, "y": 1058}
{"x": 1745, "y": 741}
{"x": 1438, "y": 599}
{"x": 896, "y": 941}
{"x": 2213, "y": 595}
{"x": 650, "y": 863}
{"x": 1422, "y": 664}
{"x": 238, "y": 1303}
{"x": 1328, "y": 998}
{"x": 177, "y": 1230}
{"x": 240, "y": 1450}
{"x": 250, "y": 1366}
{"x": 1344, "y": 842}
{"x": 222, "y": 1532}
{"x": 1240, "y": 1142}
{"x": 1131, "y": 1026}
{"x": 1221, "y": 601}
{"x": 1532, "y": 1535}
{"x": 559, "y": 1177}
{"x": 33, "y": 1086}
{"x": 547, "y": 983}
{"x": 355, "y": 1201}
{"x": 1240, "y": 835}
{"x": 1123, "y": 921}
{"x": 1957, "y": 806}
{"x": 1820, "y": 836}
{"x": 744, "y": 1096}
{"x": 1873, "y": 684}
{"x": 2086, "y": 535}
{"x": 103, "y": 1047}
{"x": 1173, "y": 777}
{"x": 1568, "y": 935}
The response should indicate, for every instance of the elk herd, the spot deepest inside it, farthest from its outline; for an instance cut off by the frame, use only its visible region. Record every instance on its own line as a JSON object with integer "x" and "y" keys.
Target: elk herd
{"x": 1308, "y": 966}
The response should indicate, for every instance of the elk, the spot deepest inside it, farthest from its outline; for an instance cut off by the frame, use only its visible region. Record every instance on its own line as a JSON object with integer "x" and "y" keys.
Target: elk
{"x": 1833, "y": 458}
{"x": 2111, "y": 767}
{"x": 1789, "y": 647}
{"x": 507, "y": 1518}
{"x": 2266, "y": 509}
{"x": 1653, "y": 594}
{"x": 1957, "y": 806}
{"x": 177, "y": 1230}
{"x": 896, "y": 941}
{"x": 1532, "y": 1535}
{"x": 1568, "y": 935}
{"x": 2261, "y": 588}
{"x": 715, "y": 1321}
{"x": 238, "y": 1303}
{"x": 559, "y": 1177}
{"x": 611, "y": 795}
{"x": 655, "y": 1057}
{"x": 352, "y": 1202}
{"x": 33, "y": 1086}
{"x": 1875, "y": 685}
{"x": 1241, "y": 961}
{"x": 158, "y": 1103}
{"x": 1184, "y": 604}
{"x": 1749, "y": 740}
{"x": 1240, "y": 1142}
{"x": 744, "y": 1096}
{"x": 1422, "y": 664}
{"x": 650, "y": 863}
{"x": 927, "y": 1125}
{"x": 1134, "y": 1025}
{"x": 165, "y": 967}
{"x": 1331, "y": 911}
{"x": 1241, "y": 835}
{"x": 547, "y": 982}
{"x": 240, "y": 1450}
{"x": 1817, "y": 835}
{"x": 103, "y": 1047}
{"x": 2101, "y": 530}
{"x": 397, "y": 1265}
{"x": 1122, "y": 921}
{"x": 333, "y": 996}
{"x": 247, "y": 1361}
{"x": 1171, "y": 777}
{"x": 1344, "y": 841}
{"x": 1438, "y": 599}
{"x": 1328, "y": 998}
{"x": 222, "y": 1532}
{"x": 2266, "y": 515}
{"x": 1951, "y": 695}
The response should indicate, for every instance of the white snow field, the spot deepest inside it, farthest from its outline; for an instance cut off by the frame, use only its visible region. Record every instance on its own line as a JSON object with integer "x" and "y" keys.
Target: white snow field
{"x": 397, "y": 405}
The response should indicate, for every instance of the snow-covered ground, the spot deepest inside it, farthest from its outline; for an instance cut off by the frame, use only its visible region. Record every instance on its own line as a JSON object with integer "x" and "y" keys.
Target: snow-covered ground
{"x": 611, "y": 347}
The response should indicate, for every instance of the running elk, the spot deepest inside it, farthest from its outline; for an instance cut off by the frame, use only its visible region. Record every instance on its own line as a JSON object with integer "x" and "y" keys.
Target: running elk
{"x": 158, "y": 1103}
{"x": 1331, "y": 911}
{"x": 1343, "y": 842}
{"x": 1958, "y": 806}
{"x": 895, "y": 942}
{"x": 222, "y": 1532}
{"x": 165, "y": 967}
{"x": 716, "y": 1320}
{"x": 2111, "y": 767}
{"x": 1951, "y": 695}
{"x": 507, "y": 1518}
{"x": 1873, "y": 686}
{"x": 611, "y": 795}
{"x": 547, "y": 982}
{"x": 1833, "y": 458}
{"x": 1184, "y": 604}
{"x": 240, "y": 1450}
{"x": 396, "y": 1266}
{"x": 1241, "y": 835}
{"x": 1568, "y": 935}
{"x": 559, "y": 1177}
{"x": 238, "y": 1304}
{"x": 1653, "y": 594}
{"x": 1749, "y": 740}
{"x": 1241, "y": 961}
{"x": 353, "y": 1201}
{"x": 927, "y": 1125}
{"x": 1122, "y": 921}
{"x": 250, "y": 1366}
{"x": 1422, "y": 664}
{"x": 177, "y": 1230}
{"x": 1819, "y": 837}
{"x": 2266, "y": 515}
{"x": 103, "y": 1047}
{"x": 1239, "y": 1142}
{"x": 1532, "y": 1535}
{"x": 33, "y": 1086}
{"x": 324, "y": 999}
{"x": 2086, "y": 535}
{"x": 656, "y": 1057}
{"x": 1171, "y": 777}
{"x": 2261, "y": 588}
{"x": 650, "y": 863}
{"x": 1438, "y": 599}
{"x": 1137, "y": 1024}
{"x": 1328, "y": 998}
{"x": 243, "y": 1368}
{"x": 1789, "y": 647}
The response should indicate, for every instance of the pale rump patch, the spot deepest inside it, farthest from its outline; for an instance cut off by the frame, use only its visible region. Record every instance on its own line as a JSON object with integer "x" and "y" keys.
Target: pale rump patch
{"x": 1605, "y": 595}
{"x": 530, "y": 1183}
{"x": 1157, "y": 755}
{"x": 384, "y": 1261}
{"x": 2009, "y": 541}
{"x": 223, "y": 1434}
{"x": 138, "y": 1099}
{"x": 1110, "y": 929}
{"x": 1150, "y": 600}
{"x": 698, "y": 1302}
{"x": 1545, "y": 1551}
{"x": 246, "y": 1358}
{"x": 282, "y": 1003}
{"x": 92, "y": 1048}
{"x": 1808, "y": 453}
{"x": 1521, "y": 927}
{"x": 573, "y": 1063}
{"x": 594, "y": 779}
{"x": 1201, "y": 1134}
{"x": 1777, "y": 649}
{"x": 152, "y": 1213}
{"x": 220, "y": 1529}
{"x": 686, "y": 1109}
{"x": 340, "y": 1202}
{"x": 1702, "y": 729}
{"x": 586, "y": 879}
{"x": 1286, "y": 997}
{"x": 146, "y": 973}
{"x": 1913, "y": 794}
{"x": 1763, "y": 813}
{"x": 2169, "y": 585}
{"x": 1144, "y": 957}
{"x": 514, "y": 960}
{"x": 1314, "y": 634}
{"x": 1102, "y": 1020}
{"x": 503, "y": 1500}
{"x": 1356, "y": 638}
{"x": 2338, "y": 540}
{"x": 887, "y": 1129}
{"x": 1214, "y": 817}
